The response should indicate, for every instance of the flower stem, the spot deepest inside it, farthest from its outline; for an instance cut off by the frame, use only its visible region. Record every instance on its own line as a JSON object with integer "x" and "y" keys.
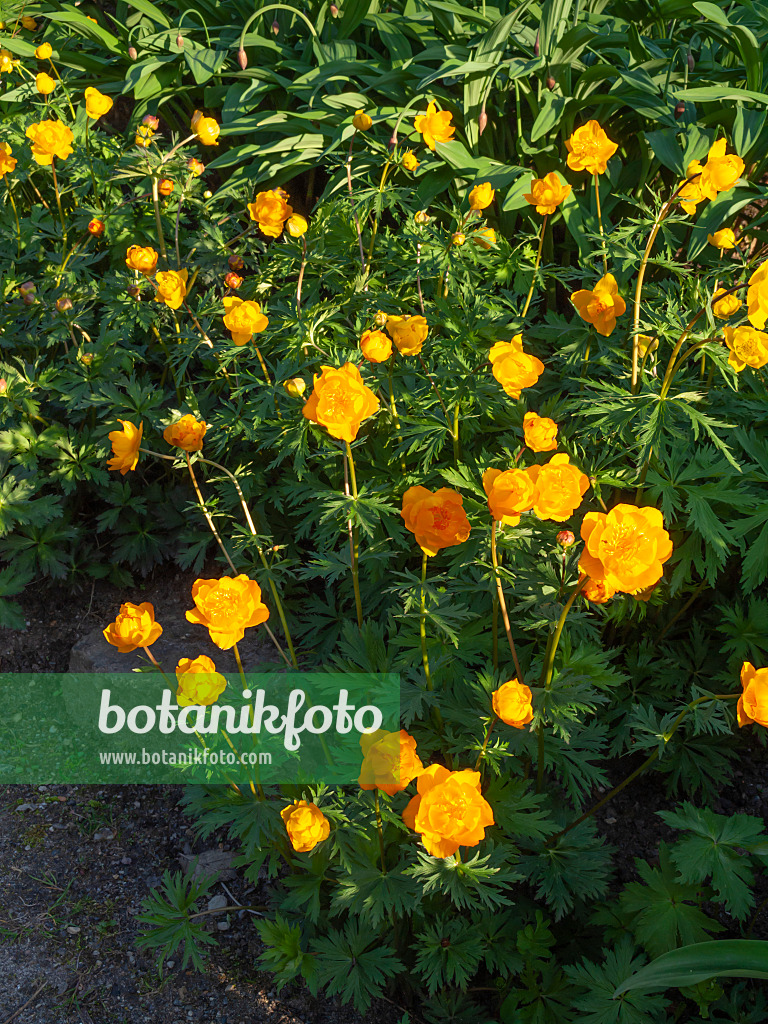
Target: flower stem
{"x": 301, "y": 274}
{"x": 158, "y": 220}
{"x": 244, "y": 681}
{"x": 15, "y": 212}
{"x": 535, "y": 269}
{"x": 380, "y": 831}
{"x": 488, "y": 732}
{"x": 423, "y": 622}
{"x": 384, "y": 173}
{"x": 207, "y": 515}
{"x": 90, "y": 163}
{"x": 503, "y": 604}
{"x": 354, "y": 541}
{"x": 600, "y": 223}
{"x": 393, "y": 406}
{"x": 61, "y": 212}
{"x": 455, "y": 435}
{"x": 352, "y": 203}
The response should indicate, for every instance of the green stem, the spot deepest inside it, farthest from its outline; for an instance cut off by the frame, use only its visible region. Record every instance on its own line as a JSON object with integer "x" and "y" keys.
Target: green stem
{"x": 423, "y": 621}
{"x": 15, "y": 213}
{"x": 384, "y": 173}
{"x": 61, "y": 212}
{"x": 503, "y": 604}
{"x": 380, "y": 830}
{"x": 354, "y": 541}
{"x": 90, "y": 164}
{"x": 352, "y": 203}
{"x": 481, "y": 755}
{"x": 600, "y": 223}
{"x": 535, "y": 269}
{"x": 455, "y": 435}
{"x": 158, "y": 220}
{"x": 244, "y": 681}
{"x": 393, "y": 406}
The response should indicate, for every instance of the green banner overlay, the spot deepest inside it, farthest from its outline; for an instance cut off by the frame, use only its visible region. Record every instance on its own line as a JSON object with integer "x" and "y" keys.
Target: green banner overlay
{"x": 268, "y": 729}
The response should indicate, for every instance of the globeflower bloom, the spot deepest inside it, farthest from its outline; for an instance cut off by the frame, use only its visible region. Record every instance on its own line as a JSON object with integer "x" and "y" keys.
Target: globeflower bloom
{"x": 186, "y": 433}
{"x": 513, "y": 368}
{"x": 198, "y": 682}
{"x": 540, "y": 432}
{"x": 409, "y": 161}
{"x": 227, "y": 607}
{"x": 601, "y": 306}
{"x": 590, "y": 149}
{"x": 7, "y": 162}
{"x": 144, "y": 136}
{"x": 362, "y": 121}
{"x": 753, "y": 703}
{"x": 408, "y": 333}
{"x": 449, "y": 810}
{"x": 484, "y": 237}
{"x": 305, "y": 824}
{"x": 436, "y": 520}
{"x": 50, "y": 139}
{"x": 195, "y": 167}
{"x": 481, "y": 196}
{"x": 690, "y": 193}
{"x": 125, "y": 446}
{"x": 165, "y": 186}
{"x": 513, "y": 703}
{"x": 295, "y": 387}
{"x": 44, "y": 84}
{"x": 722, "y": 239}
{"x": 757, "y": 297}
{"x": 559, "y": 488}
{"x": 43, "y": 51}
{"x": 547, "y": 193}
{"x": 625, "y": 548}
{"x": 596, "y": 592}
{"x": 171, "y": 287}
{"x": 434, "y": 126}
{"x": 141, "y": 258}
{"x": 510, "y": 492}
{"x": 96, "y": 103}
{"x": 375, "y": 346}
{"x": 243, "y": 318}
{"x": 205, "y": 128}
{"x": 134, "y": 627}
{"x": 296, "y": 225}
{"x": 721, "y": 171}
{"x": 340, "y": 401}
{"x": 270, "y": 211}
{"x": 726, "y": 306}
{"x": 390, "y": 761}
{"x": 748, "y": 347}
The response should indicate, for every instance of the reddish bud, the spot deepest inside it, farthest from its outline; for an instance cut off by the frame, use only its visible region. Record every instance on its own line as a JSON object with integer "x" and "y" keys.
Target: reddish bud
{"x": 3, "y": 385}
{"x": 242, "y": 59}
{"x": 679, "y": 109}
{"x": 236, "y": 262}
{"x": 482, "y": 122}
{"x": 334, "y": 11}
{"x": 96, "y": 227}
{"x": 233, "y": 280}
{"x": 151, "y": 121}
{"x": 180, "y": 41}
{"x": 536, "y": 46}
{"x": 165, "y": 186}
{"x": 275, "y": 26}
{"x": 63, "y": 304}
{"x": 566, "y": 539}
{"x": 134, "y": 291}
{"x": 132, "y": 53}
{"x": 551, "y": 83}
{"x": 691, "y": 61}
{"x": 445, "y": 943}
{"x": 86, "y": 358}
{"x": 27, "y": 288}
{"x": 29, "y": 299}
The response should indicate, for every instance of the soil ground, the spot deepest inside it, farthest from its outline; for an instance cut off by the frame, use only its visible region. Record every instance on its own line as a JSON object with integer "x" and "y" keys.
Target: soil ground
{"x": 76, "y": 861}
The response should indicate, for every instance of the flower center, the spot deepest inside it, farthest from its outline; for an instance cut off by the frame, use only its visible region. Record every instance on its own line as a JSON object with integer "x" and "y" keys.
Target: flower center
{"x": 441, "y": 518}
{"x": 222, "y": 605}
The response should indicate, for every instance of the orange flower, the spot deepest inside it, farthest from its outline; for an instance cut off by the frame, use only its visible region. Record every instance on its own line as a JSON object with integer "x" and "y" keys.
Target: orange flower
{"x": 96, "y": 227}
{"x": 165, "y": 186}
{"x": 757, "y": 297}
{"x": 590, "y": 149}
{"x": 195, "y": 167}
{"x": 547, "y": 193}
{"x": 243, "y": 318}
{"x": 726, "y": 306}
{"x": 7, "y": 162}
{"x": 748, "y": 347}
{"x": 227, "y": 607}
{"x": 559, "y": 488}
{"x": 513, "y": 703}
{"x": 305, "y": 824}
{"x": 540, "y": 432}
{"x": 437, "y": 520}
{"x": 390, "y": 761}
{"x": 50, "y": 139}
{"x": 721, "y": 171}
{"x": 205, "y": 128}
{"x": 340, "y": 401}
{"x": 753, "y": 703}
{"x": 481, "y": 196}
{"x": 270, "y": 211}
{"x": 186, "y": 433}
{"x": 171, "y": 287}
{"x": 375, "y": 346}
{"x": 625, "y": 548}
{"x": 125, "y": 446}
{"x": 513, "y": 368}
{"x": 510, "y": 493}
{"x": 449, "y": 810}
{"x": 141, "y": 258}
{"x": 434, "y": 126}
{"x": 198, "y": 682}
{"x": 134, "y": 627}
{"x": 596, "y": 592}
{"x": 408, "y": 332}
{"x": 601, "y": 306}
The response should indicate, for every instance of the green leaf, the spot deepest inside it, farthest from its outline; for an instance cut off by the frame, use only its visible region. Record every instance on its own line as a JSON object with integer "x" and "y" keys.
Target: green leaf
{"x": 728, "y": 958}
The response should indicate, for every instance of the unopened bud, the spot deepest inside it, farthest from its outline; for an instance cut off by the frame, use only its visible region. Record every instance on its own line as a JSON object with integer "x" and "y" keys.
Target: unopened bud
{"x": 334, "y": 11}
{"x": 233, "y": 280}
{"x": 536, "y": 46}
{"x": 29, "y": 299}
{"x": 551, "y": 83}
{"x": 132, "y": 53}
{"x": 380, "y": 319}
{"x": 96, "y": 227}
{"x": 207, "y": 194}
{"x": 63, "y": 304}
{"x": 679, "y": 109}
{"x": 482, "y": 122}
{"x": 86, "y": 358}
{"x": 3, "y": 385}
{"x": 566, "y": 539}
{"x": 180, "y": 41}
{"x": 236, "y": 262}
{"x": 421, "y": 217}
{"x": 242, "y": 59}
{"x": 275, "y": 26}
{"x": 27, "y": 288}
{"x": 691, "y": 61}
{"x": 459, "y": 238}
{"x": 134, "y": 291}
{"x": 165, "y": 186}
{"x": 151, "y": 121}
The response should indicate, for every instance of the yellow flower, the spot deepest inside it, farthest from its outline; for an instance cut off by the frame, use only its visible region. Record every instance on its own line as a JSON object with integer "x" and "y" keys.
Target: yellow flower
{"x": 243, "y": 318}
{"x": 727, "y": 306}
{"x": 205, "y": 128}
{"x": 141, "y": 258}
{"x": 421, "y": 217}
{"x": 757, "y": 297}
{"x": 625, "y": 548}
{"x": 601, "y": 306}
{"x": 559, "y": 488}
{"x": 485, "y": 238}
{"x": 361, "y": 121}
{"x": 408, "y": 332}
{"x": 510, "y": 493}
{"x": 513, "y": 703}
{"x": 481, "y": 196}
{"x": 722, "y": 239}
{"x": 410, "y": 163}
{"x": 513, "y": 368}
{"x": 645, "y": 343}
{"x": 270, "y": 211}
{"x": 96, "y": 103}
{"x": 305, "y": 824}
{"x": 125, "y": 446}
{"x": 171, "y": 287}
{"x": 690, "y": 192}
{"x": 296, "y": 225}
{"x": 459, "y": 238}
{"x": 144, "y": 136}
{"x": 540, "y": 432}
{"x": 7, "y": 63}
{"x": 340, "y": 401}
{"x": 186, "y": 433}
{"x": 7, "y": 162}
{"x": 590, "y": 149}
{"x": 721, "y": 171}
{"x": 375, "y": 346}
{"x": 547, "y": 193}
{"x": 44, "y": 84}
{"x": 295, "y": 387}
{"x": 195, "y": 167}
{"x": 29, "y": 23}
{"x": 434, "y": 126}
{"x": 134, "y": 627}
{"x": 748, "y": 347}
{"x": 227, "y": 607}
{"x": 753, "y": 703}
{"x": 198, "y": 682}
{"x": 44, "y": 51}
{"x": 449, "y": 810}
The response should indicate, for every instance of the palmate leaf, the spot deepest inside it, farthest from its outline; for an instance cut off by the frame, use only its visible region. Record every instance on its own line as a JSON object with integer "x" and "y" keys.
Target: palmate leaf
{"x": 482, "y": 882}
{"x": 374, "y": 896}
{"x": 354, "y": 964}
{"x": 598, "y": 982}
{"x": 448, "y": 952}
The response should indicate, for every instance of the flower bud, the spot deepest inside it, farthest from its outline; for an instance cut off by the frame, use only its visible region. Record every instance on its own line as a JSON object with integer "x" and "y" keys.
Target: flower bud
{"x": 132, "y": 53}
{"x": 459, "y": 238}
{"x": 165, "y": 186}
{"x": 421, "y": 217}
{"x": 29, "y": 299}
{"x": 551, "y": 83}
{"x": 195, "y": 167}
{"x": 536, "y": 46}
{"x": 233, "y": 280}
{"x": 151, "y": 121}
{"x": 86, "y": 358}
{"x": 275, "y": 26}
{"x": 295, "y": 387}
{"x": 679, "y": 109}
{"x": 27, "y": 288}
{"x": 380, "y": 319}
{"x": 180, "y": 41}
{"x": 134, "y": 291}
{"x": 334, "y": 11}
{"x": 207, "y": 194}
{"x": 242, "y": 59}
{"x": 566, "y": 539}
{"x": 236, "y": 262}
{"x": 64, "y": 304}
{"x": 482, "y": 122}
{"x": 3, "y": 385}
{"x": 96, "y": 227}
{"x": 691, "y": 61}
